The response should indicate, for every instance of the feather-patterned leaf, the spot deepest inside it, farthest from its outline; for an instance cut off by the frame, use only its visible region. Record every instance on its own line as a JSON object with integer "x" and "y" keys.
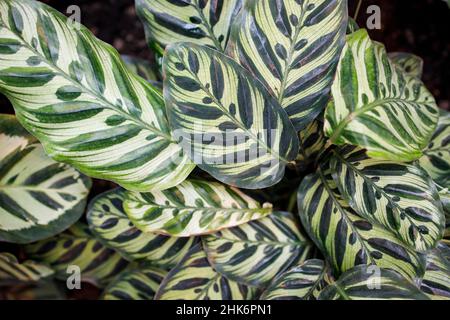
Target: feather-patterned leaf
{"x": 399, "y": 196}
{"x": 141, "y": 67}
{"x": 436, "y": 158}
{"x": 194, "y": 279}
{"x": 225, "y": 119}
{"x": 74, "y": 93}
{"x": 255, "y": 252}
{"x": 436, "y": 281}
{"x": 77, "y": 247}
{"x": 192, "y": 208}
{"x": 409, "y": 63}
{"x": 137, "y": 284}
{"x": 303, "y": 282}
{"x": 365, "y": 283}
{"x": 378, "y": 106}
{"x": 13, "y": 272}
{"x": 108, "y": 221}
{"x": 38, "y": 196}
{"x": 293, "y": 47}
{"x": 312, "y": 142}
{"x": 204, "y": 22}
{"x": 346, "y": 239}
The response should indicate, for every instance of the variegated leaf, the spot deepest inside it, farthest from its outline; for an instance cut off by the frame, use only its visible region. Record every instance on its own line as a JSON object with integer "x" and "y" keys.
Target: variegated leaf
{"x": 399, "y": 196}
{"x": 75, "y": 94}
{"x": 346, "y": 239}
{"x": 436, "y": 158}
{"x": 255, "y": 252}
{"x": 137, "y": 284}
{"x": 352, "y": 26}
{"x": 12, "y": 272}
{"x": 225, "y": 119}
{"x": 436, "y": 281}
{"x": 77, "y": 247}
{"x": 303, "y": 282}
{"x": 293, "y": 47}
{"x": 192, "y": 208}
{"x": 204, "y": 22}
{"x": 409, "y": 63}
{"x": 312, "y": 142}
{"x": 378, "y": 106}
{"x": 38, "y": 196}
{"x": 108, "y": 221}
{"x": 366, "y": 283}
{"x": 141, "y": 67}
{"x": 194, "y": 279}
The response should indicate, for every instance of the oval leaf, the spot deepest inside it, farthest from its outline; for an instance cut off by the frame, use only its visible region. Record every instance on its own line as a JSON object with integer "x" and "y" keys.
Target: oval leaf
{"x": 225, "y": 119}
{"x": 409, "y": 63}
{"x": 108, "y": 221}
{"x": 12, "y": 272}
{"x": 436, "y": 281}
{"x": 378, "y": 106}
{"x": 294, "y": 48}
{"x": 192, "y": 208}
{"x": 312, "y": 142}
{"x": 38, "y": 196}
{"x": 74, "y": 93}
{"x": 255, "y": 252}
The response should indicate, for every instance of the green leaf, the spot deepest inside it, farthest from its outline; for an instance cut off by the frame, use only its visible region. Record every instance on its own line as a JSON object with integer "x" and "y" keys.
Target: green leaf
{"x": 346, "y": 239}
{"x": 110, "y": 224}
{"x": 436, "y": 158}
{"x": 77, "y": 247}
{"x": 408, "y": 63}
{"x": 226, "y": 120}
{"x": 198, "y": 21}
{"x": 377, "y": 106}
{"x": 364, "y": 283}
{"x": 195, "y": 279}
{"x": 399, "y": 196}
{"x": 141, "y": 67}
{"x": 255, "y": 252}
{"x": 192, "y": 208}
{"x": 436, "y": 281}
{"x": 303, "y": 282}
{"x": 75, "y": 94}
{"x": 293, "y": 47}
{"x": 136, "y": 284}
{"x": 38, "y": 196}
{"x": 13, "y": 272}
{"x": 352, "y": 26}
{"x": 312, "y": 142}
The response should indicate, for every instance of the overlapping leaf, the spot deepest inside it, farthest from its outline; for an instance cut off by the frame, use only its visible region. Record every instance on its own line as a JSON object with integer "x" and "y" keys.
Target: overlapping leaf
{"x": 255, "y": 252}
{"x": 13, "y": 272}
{"x": 195, "y": 279}
{"x": 400, "y": 196}
{"x": 137, "y": 284}
{"x": 77, "y": 247}
{"x": 312, "y": 142}
{"x": 192, "y": 208}
{"x": 436, "y": 281}
{"x": 378, "y": 106}
{"x": 346, "y": 239}
{"x": 436, "y": 158}
{"x": 141, "y": 67}
{"x": 368, "y": 283}
{"x": 225, "y": 119}
{"x": 293, "y": 47}
{"x": 409, "y": 63}
{"x": 38, "y": 196}
{"x": 74, "y": 93}
{"x": 204, "y": 22}
{"x": 114, "y": 229}
{"x": 303, "y": 282}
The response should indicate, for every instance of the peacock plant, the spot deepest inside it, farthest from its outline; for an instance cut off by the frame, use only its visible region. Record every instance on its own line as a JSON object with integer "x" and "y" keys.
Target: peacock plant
{"x": 251, "y": 108}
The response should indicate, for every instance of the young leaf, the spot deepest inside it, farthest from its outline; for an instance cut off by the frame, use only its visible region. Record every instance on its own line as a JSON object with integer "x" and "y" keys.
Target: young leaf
{"x": 13, "y": 272}
{"x": 409, "y": 63}
{"x": 303, "y": 282}
{"x": 141, "y": 67}
{"x": 399, "y": 196}
{"x": 346, "y": 239}
{"x": 377, "y": 106}
{"x": 192, "y": 208}
{"x": 255, "y": 252}
{"x": 108, "y": 221}
{"x": 39, "y": 197}
{"x": 293, "y": 47}
{"x": 137, "y": 284}
{"x": 74, "y": 93}
{"x": 194, "y": 279}
{"x": 77, "y": 247}
{"x": 436, "y": 281}
{"x": 198, "y": 21}
{"x": 228, "y": 123}
{"x": 366, "y": 283}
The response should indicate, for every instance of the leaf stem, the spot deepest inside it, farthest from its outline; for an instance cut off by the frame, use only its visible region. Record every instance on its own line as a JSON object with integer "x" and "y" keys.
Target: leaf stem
{"x": 358, "y": 8}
